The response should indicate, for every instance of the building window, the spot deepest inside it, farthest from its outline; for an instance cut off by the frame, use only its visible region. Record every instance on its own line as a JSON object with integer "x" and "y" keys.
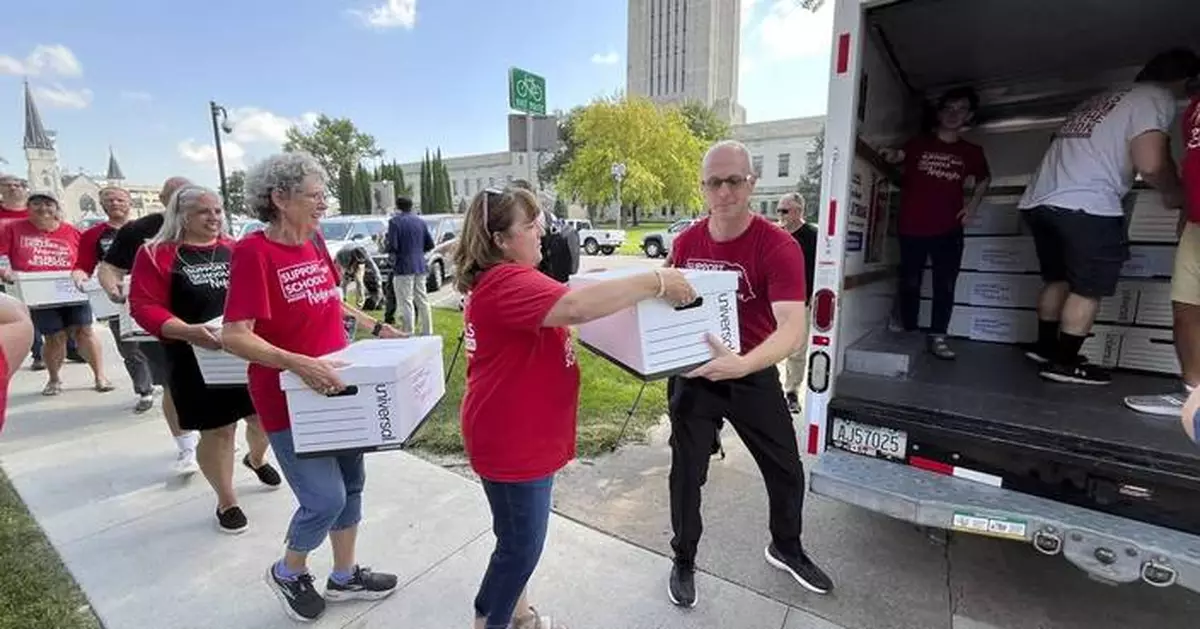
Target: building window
{"x": 455, "y": 182}
{"x": 491, "y": 181}
{"x": 479, "y": 183}
{"x": 784, "y": 162}
{"x": 520, "y": 158}
{"x": 467, "y": 186}
{"x": 756, "y": 163}
{"x": 763, "y": 206}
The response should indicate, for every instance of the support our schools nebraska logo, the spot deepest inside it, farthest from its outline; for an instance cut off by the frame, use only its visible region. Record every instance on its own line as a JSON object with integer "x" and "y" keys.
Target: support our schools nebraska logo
{"x": 308, "y": 280}
{"x": 745, "y": 290}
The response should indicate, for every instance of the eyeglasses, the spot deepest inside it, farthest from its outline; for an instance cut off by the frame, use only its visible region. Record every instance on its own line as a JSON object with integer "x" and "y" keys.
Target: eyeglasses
{"x": 783, "y": 211}
{"x": 734, "y": 181}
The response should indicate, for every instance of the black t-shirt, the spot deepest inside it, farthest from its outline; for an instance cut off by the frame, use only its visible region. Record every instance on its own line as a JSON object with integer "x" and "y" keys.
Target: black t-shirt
{"x": 130, "y": 238}
{"x": 807, "y": 237}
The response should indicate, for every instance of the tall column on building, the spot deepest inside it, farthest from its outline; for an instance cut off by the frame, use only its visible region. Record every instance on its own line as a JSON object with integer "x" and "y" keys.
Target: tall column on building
{"x": 686, "y": 50}
{"x": 40, "y": 154}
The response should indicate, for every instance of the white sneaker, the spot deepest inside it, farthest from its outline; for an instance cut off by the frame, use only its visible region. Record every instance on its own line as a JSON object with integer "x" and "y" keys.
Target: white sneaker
{"x": 186, "y": 464}
{"x": 1165, "y": 405}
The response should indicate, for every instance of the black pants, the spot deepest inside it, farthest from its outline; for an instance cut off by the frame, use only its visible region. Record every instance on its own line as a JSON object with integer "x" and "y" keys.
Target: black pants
{"x": 389, "y": 298}
{"x": 945, "y": 256}
{"x": 755, "y": 407}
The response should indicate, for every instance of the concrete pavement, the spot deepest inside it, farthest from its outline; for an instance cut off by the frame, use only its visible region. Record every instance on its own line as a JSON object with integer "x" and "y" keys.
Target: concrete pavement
{"x": 145, "y": 550}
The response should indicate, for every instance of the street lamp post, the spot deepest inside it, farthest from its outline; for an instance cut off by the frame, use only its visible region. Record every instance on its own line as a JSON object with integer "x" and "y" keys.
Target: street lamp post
{"x": 618, "y": 174}
{"x": 225, "y": 125}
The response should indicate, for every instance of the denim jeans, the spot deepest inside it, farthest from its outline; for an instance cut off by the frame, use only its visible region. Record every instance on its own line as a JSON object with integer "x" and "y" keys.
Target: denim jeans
{"x": 520, "y": 515}
{"x": 329, "y": 490}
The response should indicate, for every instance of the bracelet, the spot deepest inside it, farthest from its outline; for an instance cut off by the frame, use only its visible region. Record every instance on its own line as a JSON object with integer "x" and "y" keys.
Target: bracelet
{"x": 662, "y": 286}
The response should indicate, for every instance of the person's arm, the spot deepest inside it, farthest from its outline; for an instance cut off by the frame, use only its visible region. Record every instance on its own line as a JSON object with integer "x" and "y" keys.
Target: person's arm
{"x": 389, "y": 241}
{"x": 594, "y": 301}
{"x": 149, "y": 303}
{"x": 428, "y": 236}
{"x": 16, "y": 332}
{"x": 6, "y": 251}
{"x": 1152, "y": 159}
{"x": 982, "y": 176}
{"x": 112, "y": 280}
{"x": 86, "y": 260}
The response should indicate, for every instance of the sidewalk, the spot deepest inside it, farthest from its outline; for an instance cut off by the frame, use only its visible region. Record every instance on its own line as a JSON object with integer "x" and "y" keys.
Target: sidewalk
{"x": 145, "y": 550}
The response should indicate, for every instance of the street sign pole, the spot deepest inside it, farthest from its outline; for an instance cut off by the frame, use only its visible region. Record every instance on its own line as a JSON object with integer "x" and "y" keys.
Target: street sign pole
{"x": 529, "y": 148}
{"x": 527, "y": 94}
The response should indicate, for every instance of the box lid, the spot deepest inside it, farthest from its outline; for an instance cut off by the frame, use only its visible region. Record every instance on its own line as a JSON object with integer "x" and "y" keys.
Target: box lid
{"x": 374, "y": 360}
{"x": 42, "y": 275}
{"x": 703, "y": 281}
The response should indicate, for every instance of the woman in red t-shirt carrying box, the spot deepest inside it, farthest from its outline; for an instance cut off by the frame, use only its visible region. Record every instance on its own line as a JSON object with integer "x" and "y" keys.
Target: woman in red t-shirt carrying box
{"x": 934, "y": 207}
{"x": 283, "y": 312}
{"x": 45, "y": 242}
{"x": 517, "y": 342}
{"x": 180, "y": 278}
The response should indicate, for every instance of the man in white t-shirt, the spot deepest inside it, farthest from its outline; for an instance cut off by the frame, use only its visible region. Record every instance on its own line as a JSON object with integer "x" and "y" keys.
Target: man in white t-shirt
{"x": 1074, "y": 211}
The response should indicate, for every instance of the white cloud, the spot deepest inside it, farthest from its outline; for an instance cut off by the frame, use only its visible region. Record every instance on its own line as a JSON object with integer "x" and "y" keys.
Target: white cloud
{"x": 390, "y": 14}
{"x": 748, "y": 7}
{"x": 44, "y": 60}
{"x": 789, "y": 31}
{"x": 206, "y": 154}
{"x": 58, "y": 96}
{"x": 252, "y": 125}
{"x": 136, "y": 95}
{"x": 607, "y": 59}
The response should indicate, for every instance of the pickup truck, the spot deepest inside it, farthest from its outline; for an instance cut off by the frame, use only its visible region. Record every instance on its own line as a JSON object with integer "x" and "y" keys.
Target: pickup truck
{"x": 658, "y": 244}
{"x": 981, "y": 445}
{"x": 596, "y": 241}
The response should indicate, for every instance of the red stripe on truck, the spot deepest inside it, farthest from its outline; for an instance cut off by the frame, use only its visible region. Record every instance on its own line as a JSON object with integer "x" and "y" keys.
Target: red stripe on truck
{"x": 831, "y": 220}
{"x": 814, "y": 435}
{"x": 843, "y": 53}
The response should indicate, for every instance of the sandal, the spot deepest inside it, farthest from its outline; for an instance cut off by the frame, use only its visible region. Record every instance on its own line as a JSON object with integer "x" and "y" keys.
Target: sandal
{"x": 52, "y": 388}
{"x": 534, "y": 620}
{"x": 105, "y": 387}
{"x": 939, "y": 348}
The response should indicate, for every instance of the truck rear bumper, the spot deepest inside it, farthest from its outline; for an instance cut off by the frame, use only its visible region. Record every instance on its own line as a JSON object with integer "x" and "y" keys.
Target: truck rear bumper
{"x": 1107, "y": 547}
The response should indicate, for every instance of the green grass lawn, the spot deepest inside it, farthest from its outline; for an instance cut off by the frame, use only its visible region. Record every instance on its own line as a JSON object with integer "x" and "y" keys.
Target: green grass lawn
{"x": 606, "y": 393}
{"x": 35, "y": 588}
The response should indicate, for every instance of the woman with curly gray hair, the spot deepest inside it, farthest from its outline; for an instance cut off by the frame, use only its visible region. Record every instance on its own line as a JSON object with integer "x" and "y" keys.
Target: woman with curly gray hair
{"x": 283, "y": 312}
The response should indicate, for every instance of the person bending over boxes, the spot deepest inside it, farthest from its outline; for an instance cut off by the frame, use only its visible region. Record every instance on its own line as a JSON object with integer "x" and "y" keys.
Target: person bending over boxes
{"x": 743, "y": 389}
{"x": 283, "y": 311}
{"x": 44, "y": 242}
{"x": 934, "y": 209}
{"x": 1073, "y": 205}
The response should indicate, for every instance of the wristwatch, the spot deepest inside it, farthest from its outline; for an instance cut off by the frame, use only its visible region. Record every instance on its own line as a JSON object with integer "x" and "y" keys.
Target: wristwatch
{"x": 375, "y": 331}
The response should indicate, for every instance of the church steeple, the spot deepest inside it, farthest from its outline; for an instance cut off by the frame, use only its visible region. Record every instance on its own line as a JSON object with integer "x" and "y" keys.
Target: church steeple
{"x": 35, "y": 134}
{"x": 114, "y": 176}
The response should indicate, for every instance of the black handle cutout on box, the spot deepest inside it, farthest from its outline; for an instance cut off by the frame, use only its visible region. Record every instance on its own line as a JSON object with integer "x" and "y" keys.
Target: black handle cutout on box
{"x": 695, "y": 304}
{"x": 347, "y": 392}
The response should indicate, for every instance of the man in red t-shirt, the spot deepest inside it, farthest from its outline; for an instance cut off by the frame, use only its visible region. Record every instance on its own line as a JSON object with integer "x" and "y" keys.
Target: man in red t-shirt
{"x": 13, "y": 196}
{"x": 16, "y": 335}
{"x": 741, "y": 388}
{"x": 1185, "y": 280}
{"x": 934, "y": 209}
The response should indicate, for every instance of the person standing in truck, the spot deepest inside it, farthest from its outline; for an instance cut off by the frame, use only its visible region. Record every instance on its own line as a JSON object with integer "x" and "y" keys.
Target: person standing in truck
{"x": 934, "y": 207}
{"x": 1073, "y": 205}
{"x": 791, "y": 218}
{"x": 741, "y": 388}
{"x": 1185, "y": 280}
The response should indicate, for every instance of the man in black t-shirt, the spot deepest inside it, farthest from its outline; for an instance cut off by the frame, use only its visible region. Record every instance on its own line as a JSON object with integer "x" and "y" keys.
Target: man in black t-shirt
{"x": 117, "y": 263}
{"x": 791, "y": 217}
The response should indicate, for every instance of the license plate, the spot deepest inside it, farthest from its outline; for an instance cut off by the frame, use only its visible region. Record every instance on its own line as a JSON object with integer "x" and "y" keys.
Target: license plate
{"x": 1005, "y": 528}
{"x": 873, "y": 441}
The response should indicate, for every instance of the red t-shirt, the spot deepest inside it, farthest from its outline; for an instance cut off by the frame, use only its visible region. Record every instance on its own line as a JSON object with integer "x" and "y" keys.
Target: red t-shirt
{"x": 31, "y": 249}
{"x": 11, "y": 215}
{"x": 291, "y": 294}
{"x": 93, "y": 244}
{"x": 1191, "y": 160}
{"x": 519, "y": 411}
{"x": 770, "y": 266}
{"x": 931, "y": 191}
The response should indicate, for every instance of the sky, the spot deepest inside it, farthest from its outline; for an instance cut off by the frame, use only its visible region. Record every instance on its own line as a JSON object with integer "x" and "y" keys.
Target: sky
{"x": 415, "y": 74}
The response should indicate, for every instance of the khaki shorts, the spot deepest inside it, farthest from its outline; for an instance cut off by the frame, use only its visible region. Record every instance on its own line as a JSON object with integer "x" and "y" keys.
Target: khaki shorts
{"x": 1185, "y": 281}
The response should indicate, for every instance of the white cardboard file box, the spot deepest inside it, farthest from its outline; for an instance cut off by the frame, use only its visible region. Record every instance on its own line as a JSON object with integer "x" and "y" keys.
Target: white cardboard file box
{"x": 978, "y": 323}
{"x": 130, "y": 330}
{"x": 999, "y": 290}
{"x": 1149, "y": 261}
{"x": 1000, "y": 254}
{"x": 996, "y": 216}
{"x": 392, "y": 386}
{"x": 1122, "y": 306}
{"x": 218, "y": 367}
{"x": 1103, "y": 346}
{"x": 960, "y": 321}
{"x": 46, "y": 289}
{"x": 102, "y": 306}
{"x": 1149, "y": 349}
{"x": 654, "y": 339}
{"x": 1154, "y": 305}
{"x": 1149, "y": 221}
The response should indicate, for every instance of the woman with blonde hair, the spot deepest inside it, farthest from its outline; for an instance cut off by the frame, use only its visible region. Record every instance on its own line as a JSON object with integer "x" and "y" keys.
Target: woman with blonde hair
{"x": 178, "y": 287}
{"x": 517, "y": 340}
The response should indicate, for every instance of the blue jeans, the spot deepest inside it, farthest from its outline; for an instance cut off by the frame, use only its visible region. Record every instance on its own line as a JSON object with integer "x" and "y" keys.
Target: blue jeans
{"x": 329, "y": 490}
{"x": 520, "y": 515}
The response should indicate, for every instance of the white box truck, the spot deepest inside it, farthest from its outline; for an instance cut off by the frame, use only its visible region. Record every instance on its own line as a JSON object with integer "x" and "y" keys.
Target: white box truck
{"x": 982, "y": 444}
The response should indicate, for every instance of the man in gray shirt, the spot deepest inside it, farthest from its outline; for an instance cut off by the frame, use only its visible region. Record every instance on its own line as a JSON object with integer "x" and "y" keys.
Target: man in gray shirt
{"x": 1073, "y": 205}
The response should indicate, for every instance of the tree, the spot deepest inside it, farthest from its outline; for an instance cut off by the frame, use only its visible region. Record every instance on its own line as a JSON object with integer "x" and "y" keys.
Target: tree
{"x": 362, "y": 191}
{"x": 336, "y": 143}
{"x": 235, "y": 188}
{"x": 426, "y": 185}
{"x": 703, "y": 122}
{"x": 560, "y": 207}
{"x": 344, "y": 190}
{"x": 661, "y": 156}
{"x": 809, "y": 185}
{"x": 391, "y": 172}
{"x": 552, "y": 168}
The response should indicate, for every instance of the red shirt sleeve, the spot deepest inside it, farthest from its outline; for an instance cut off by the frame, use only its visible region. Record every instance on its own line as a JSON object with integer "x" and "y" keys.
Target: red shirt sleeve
{"x": 521, "y": 297}
{"x": 247, "y": 298}
{"x": 784, "y": 264}
{"x": 89, "y": 244}
{"x": 150, "y": 289}
{"x": 6, "y": 240}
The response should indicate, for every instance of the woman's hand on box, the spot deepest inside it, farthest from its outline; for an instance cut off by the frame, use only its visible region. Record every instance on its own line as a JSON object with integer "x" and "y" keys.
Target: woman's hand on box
{"x": 320, "y": 375}
{"x": 6, "y": 276}
{"x": 390, "y": 332}
{"x": 675, "y": 287}
{"x": 725, "y": 365}
{"x": 201, "y": 335}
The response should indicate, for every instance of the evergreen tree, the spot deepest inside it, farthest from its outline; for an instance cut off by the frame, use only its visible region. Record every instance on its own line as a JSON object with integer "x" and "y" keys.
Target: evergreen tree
{"x": 402, "y": 189}
{"x": 345, "y": 189}
{"x": 560, "y": 207}
{"x": 362, "y": 190}
{"x": 447, "y": 197}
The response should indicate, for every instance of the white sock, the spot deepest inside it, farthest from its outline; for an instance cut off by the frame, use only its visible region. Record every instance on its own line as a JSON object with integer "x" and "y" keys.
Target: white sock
{"x": 1188, "y": 388}
{"x": 187, "y": 441}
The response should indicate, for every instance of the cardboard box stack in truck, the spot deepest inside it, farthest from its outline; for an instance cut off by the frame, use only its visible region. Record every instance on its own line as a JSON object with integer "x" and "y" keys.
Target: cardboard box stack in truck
{"x": 1014, "y": 417}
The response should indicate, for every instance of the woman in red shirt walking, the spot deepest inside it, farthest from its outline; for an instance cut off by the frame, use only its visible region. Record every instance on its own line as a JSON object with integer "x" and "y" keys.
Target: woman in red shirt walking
{"x": 517, "y": 341}
{"x": 45, "y": 243}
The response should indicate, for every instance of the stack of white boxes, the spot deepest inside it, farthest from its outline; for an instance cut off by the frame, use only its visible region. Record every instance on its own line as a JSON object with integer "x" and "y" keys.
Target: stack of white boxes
{"x": 996, "y": 295}
{"x": 46, "y": 289}
{"x": 218, "y": 367}
{"x": 392, "y": 386}
{"x": 654, "y": 339}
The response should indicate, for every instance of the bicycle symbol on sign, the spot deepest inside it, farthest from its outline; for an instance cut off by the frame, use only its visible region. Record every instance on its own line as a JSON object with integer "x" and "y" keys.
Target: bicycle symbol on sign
{"x": 528, "y": 87}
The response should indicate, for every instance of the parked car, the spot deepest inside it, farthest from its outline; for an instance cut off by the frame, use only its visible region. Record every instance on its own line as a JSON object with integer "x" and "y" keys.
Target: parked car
{"x": 340, "y": 231}
{"x": 444, "y": 228}
{"x": 595, "y": 241}
{"x": 89, "y": 221}
{"x": 658, "y": 244}
{"x": 241, "y": 229}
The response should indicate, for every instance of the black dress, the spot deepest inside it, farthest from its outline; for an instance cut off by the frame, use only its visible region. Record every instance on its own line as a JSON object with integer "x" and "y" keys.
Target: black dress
{"x": 198, "y": 282}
